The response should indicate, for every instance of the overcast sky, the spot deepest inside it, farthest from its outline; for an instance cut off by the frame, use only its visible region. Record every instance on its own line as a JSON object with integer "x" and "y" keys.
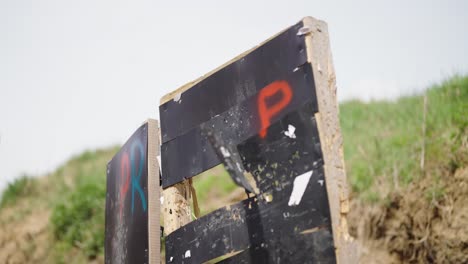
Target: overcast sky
{"x": 78, "y": 75}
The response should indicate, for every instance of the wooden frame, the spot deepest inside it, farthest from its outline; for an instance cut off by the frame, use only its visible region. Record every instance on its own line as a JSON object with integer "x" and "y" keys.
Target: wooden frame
{"x": 177, "y": 211}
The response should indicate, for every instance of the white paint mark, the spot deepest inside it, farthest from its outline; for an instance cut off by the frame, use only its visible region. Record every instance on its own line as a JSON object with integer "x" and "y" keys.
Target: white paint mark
{"x": 161, "y": 199}
{"x": 170, "y": 259}
{"x": 299, "y": 187}
{"x": 290, "y": 132}
{"x": 187, "y": 254}
{"x": 177, "y": 97}
{"x": 319, "y": 68}
{"x": 321, "y": 182}
{"x": 296, "y": 69}
{"x": 225, "y": 152}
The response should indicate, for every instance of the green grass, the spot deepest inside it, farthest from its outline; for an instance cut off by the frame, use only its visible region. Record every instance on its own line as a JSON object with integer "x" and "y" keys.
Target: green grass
{"x": 79, "y": 220}
{"x": 212, "y": 184}
{"x": 20, "y": 187}
{"x": 75, "y": 197}
{"x": 385, "y": 139}
{"x": 382, "y": 140}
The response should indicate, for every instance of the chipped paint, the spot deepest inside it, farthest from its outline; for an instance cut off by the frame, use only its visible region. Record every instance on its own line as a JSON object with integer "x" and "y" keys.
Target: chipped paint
{"x": 159, "y": 160}
{"x": 268, "y": 197}
{"x": 312, "y": 230}
{"x": 177, "y": 97}
{"x": 239, "y": 166}
{"x": 187, "y": 254}
{"x": 290, "y": 132}
{"x": 225, "y": 152}
{"x": 299, "y": 187}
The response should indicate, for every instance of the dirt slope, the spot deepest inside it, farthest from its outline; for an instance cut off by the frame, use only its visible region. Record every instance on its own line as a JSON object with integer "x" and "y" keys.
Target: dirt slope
{"x": 415, "y": 226}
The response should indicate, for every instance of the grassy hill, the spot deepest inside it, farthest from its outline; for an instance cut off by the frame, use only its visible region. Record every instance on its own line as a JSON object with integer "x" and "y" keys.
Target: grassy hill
{"x": 58, "y": 218}
{"x": 406, "y": 162}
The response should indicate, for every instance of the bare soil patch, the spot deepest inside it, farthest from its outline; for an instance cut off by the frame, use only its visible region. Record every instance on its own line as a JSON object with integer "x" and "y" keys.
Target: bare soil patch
{"x": 426, "y": 222}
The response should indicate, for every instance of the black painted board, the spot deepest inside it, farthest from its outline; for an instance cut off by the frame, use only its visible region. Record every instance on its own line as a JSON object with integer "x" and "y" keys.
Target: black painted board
{"x": 274, "y": 227}
{"x": 126, "y": 234}
{"x": 233, "y": 84}
{"x": 281, "y": 163}
{"x": 256, "y": 223}
{"x": 318, "y": 240}
{"x": 192, "y": 153}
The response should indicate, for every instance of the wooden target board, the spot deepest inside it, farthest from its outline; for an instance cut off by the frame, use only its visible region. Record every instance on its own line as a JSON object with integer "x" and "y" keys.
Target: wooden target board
{"x": 270, "y": 113}
{"x": 132, "y": 200}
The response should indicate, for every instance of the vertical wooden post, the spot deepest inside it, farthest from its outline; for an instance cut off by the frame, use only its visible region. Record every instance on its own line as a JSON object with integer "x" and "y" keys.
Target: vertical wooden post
{"x": 319, "y": 55}
{"x": 176, "y": 206}
{"x": 154, "y": 231}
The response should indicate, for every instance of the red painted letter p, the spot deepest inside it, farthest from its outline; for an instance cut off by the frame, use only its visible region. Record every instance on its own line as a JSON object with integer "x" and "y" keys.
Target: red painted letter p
{"x": 267, "y": 112}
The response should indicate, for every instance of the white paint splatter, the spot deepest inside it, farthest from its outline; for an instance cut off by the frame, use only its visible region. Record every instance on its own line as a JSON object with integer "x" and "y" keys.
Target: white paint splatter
{"x": 290, "y": 132}
{"x": 187, "y": 254}
{"x": 299, "y": 187}
{"x": 161, "y": 199}
{"x": 321, "y": 182}
{"x": 170, "y": 259}
{"x": 225, "y": 152}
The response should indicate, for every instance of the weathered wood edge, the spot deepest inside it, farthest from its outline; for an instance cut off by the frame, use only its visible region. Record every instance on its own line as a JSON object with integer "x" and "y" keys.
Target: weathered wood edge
{"x": 154, "y": 231}
{"x": 319, "y": 55}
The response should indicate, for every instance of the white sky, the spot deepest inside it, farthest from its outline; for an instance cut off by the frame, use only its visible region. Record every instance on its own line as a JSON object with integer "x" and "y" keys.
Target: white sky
{"x": 78, "y": 75}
